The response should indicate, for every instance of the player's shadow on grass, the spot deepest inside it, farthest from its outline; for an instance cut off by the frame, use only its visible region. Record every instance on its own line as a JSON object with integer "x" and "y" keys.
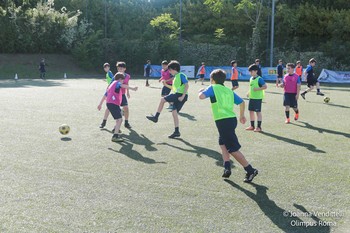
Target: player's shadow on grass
{"x": 154, "y": 87}
{"x": 66, "y": 139}
{"x": 127, "y": 149}
{"x": 286, "y": 220}
{"x": 199, "y": 151}
{"x": 274, "y": 93}
{"x": 321, "y": 130}
{"x": 188, "y": 116}
{"x": 294, "y": 142}
{"x": 29, "y": 83}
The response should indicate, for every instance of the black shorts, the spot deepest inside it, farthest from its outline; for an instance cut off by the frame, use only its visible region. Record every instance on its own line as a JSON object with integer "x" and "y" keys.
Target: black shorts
{"x": 279, "y": 77}
{"x": 227, "y": 134}
{"x": 255, "y": 105}
{"x": 201, "y": 76}
{"x": 234, "y": 83}
{"x": 114, "y": 110}
{"x": 124, "y": 101}
{"x": 174, "y": 98}
{"x": 289, "y": 100}
{"x": 165, "y": 91}
{"x": 311, "y": 82}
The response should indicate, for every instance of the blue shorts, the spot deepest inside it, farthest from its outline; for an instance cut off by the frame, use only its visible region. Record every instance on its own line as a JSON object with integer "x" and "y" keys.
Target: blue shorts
{"x": 234, "y": 83}
{"x": 114, "y": 110}
{"x": 201, "y": 76}
{"x": 255, "y": 105}
{"x": 174, "y": 98}
{"x": 227, "y": 134}
{"x": 165, "y": 91}
{"x": 124, "y": 101}
{"x": 289, "y": 100}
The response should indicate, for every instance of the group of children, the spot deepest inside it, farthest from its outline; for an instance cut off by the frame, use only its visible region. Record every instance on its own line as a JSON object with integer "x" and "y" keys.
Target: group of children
{"x": 222, "y": 100}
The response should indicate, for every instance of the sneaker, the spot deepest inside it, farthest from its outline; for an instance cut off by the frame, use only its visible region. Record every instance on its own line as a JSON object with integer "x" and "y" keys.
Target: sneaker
{"x": 103, "y": 124}
{"x": 174, "y": 135}
{"x": 147, "y": 84}
{"x": 250, "y": 128}
{"x": 152, "y": 118}
{"x": 257, "y": 129}
{"x": 127, "y": 125}
{"x": 249, "y": 177}
{"x": 302, "y": 95}
{"x": 227, "y": 173}
{"x": 320, "y": 93}
{"x": 117, "y": 139}
{"x": 287, "y": 121}
{"x": 296, "y": 116}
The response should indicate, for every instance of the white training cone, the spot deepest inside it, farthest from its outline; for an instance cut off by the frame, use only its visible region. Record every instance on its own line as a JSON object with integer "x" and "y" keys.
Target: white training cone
{"x": 16, "y": 76}
{"x": 65, "y": 76}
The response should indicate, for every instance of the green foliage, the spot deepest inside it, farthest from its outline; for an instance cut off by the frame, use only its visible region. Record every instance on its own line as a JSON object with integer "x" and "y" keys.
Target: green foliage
{"x": 165, "y": 26}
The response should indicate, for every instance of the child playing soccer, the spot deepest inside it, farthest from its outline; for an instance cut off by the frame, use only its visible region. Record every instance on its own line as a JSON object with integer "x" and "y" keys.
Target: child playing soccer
{"x": 114, "y": 100}
{"x": 109, "y": 80}
{"x": 291, "y": 84}
{"x": 255, "y": 94}
{"x": 121, "y": 66}
{"x": 234, "y": 76}
{"x": 178, "y": 98}
{"x": 311, "y": 79}
{"x": 201, "y": 72}
{"x": 166, "y": 79}
{"x": 279, "y": 72}
{"x": 148, "y": 71}
{"x": 299, "y": 70}
{"x": 222, "y": 102}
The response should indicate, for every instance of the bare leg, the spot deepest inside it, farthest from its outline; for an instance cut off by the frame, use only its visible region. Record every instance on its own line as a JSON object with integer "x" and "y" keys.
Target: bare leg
{"x": 106, "y": 114}
{"x": 252, "y": 116}
{"x": 240, "y": 158}
{"x": 259, "y": 115}
{"x": 224, "y": 153}
{"x": 161, "y": 105}
{"x": 126, "y": 112}
{"x": 117, "y": 125}
{"x": 176, "y": 118}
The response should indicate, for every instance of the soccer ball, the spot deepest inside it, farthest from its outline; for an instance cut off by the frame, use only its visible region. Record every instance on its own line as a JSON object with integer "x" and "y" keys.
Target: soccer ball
{"x": 326, "y": 99}
{"x": 64, "y": 129}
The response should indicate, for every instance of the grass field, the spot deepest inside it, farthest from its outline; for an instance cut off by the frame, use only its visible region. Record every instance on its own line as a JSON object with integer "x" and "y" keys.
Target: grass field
{"x": 149, "y": 183}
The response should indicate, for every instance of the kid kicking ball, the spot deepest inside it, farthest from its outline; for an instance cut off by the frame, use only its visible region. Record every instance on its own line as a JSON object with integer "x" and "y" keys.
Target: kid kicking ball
{"x": 326, "y": 99}
{"x": 64, "y": 129}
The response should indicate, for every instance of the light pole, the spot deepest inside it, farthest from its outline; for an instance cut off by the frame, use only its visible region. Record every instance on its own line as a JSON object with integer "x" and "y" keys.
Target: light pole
{"x": 272, "y": 31}
{"x": 180, "y": 38}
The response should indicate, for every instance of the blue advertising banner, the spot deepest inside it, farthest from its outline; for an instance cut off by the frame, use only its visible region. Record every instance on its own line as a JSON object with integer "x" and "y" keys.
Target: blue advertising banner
{"x": 156, "y": 71}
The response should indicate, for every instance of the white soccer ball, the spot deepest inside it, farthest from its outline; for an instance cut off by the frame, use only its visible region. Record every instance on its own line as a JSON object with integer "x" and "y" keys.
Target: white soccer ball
{"x": 64, "y": 129}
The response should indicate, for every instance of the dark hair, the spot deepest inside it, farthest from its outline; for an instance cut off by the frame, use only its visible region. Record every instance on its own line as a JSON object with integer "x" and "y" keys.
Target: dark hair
{"x": 174, "y": 65}
{"x": 106, "y": 65}
{"x": 312, "y": 60}
{"x": 121, "y": 64}
{"x": 218, "y": 75}
{"x": 165, "y": 62}
{"x": 148, "y": 61}
{"x": 118, "y": 76}
{"x": 257, "y": 60}
{"x": 280, "y": 60}
{"x": 291, "y": 65}
{"x": 253, "y": 67}
{"x": 298, "y": 62}
{"x": 233, "y": 62}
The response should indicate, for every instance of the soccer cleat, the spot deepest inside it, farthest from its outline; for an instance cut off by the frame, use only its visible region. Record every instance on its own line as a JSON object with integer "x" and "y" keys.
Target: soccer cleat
{"x": 152, "y": 118}
{"x": 296, "y": 116}
{"x": 117, "y": 139}
{"x": 250, "y": 128}
{"x": 103, "y": 124}
{"x": 174, "y": 135}
{"x": 227, "y": 173}
{"x": 127, "y": 125}
{"x": 287, "y": 121}
{"x": 249, "y": 177}
{"x": 320, "y": 93}
{"x": 302, "y": 95}
{"x": 257, "y": 129}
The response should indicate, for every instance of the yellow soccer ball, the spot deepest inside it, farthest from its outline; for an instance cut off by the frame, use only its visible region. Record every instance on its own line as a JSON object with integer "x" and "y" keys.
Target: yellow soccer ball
{"x": 64, "y": 129}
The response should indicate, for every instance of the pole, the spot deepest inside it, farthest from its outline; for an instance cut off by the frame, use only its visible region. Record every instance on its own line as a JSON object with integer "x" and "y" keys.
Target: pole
{"x": 180, "y": 36}
{"x": 105, "y": 19}
{"x": 272, "y": 31}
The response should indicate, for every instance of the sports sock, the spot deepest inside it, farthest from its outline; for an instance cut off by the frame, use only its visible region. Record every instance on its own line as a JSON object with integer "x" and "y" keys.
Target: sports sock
{"x": 126, "y": 122}
{"x": 115, "y": 135}
{"x": 259, "y": 124}
{"x": 287, "y": 114}
{"x": 227, "y": 165}
{"x": 104, "y": 122}
{"x": 177, "y": 130}
{"x": 157, "y": 114}
{"x": 318, "y": 90}
{"x": 252, "y": 124}
{"x": 249, "y": 169}
{"x": 296, "y": 111}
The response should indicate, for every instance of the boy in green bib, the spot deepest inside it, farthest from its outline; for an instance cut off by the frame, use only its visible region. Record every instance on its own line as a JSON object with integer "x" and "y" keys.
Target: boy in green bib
{"x": 255, "y": 94}
{"x": 222, "y": 101}
{"x": 109, "y": 80}
{"x": 178, "y": 97}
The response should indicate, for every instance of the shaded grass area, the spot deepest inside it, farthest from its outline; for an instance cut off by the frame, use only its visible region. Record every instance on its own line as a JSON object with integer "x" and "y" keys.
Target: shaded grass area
{"x": 82, "y": 182}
